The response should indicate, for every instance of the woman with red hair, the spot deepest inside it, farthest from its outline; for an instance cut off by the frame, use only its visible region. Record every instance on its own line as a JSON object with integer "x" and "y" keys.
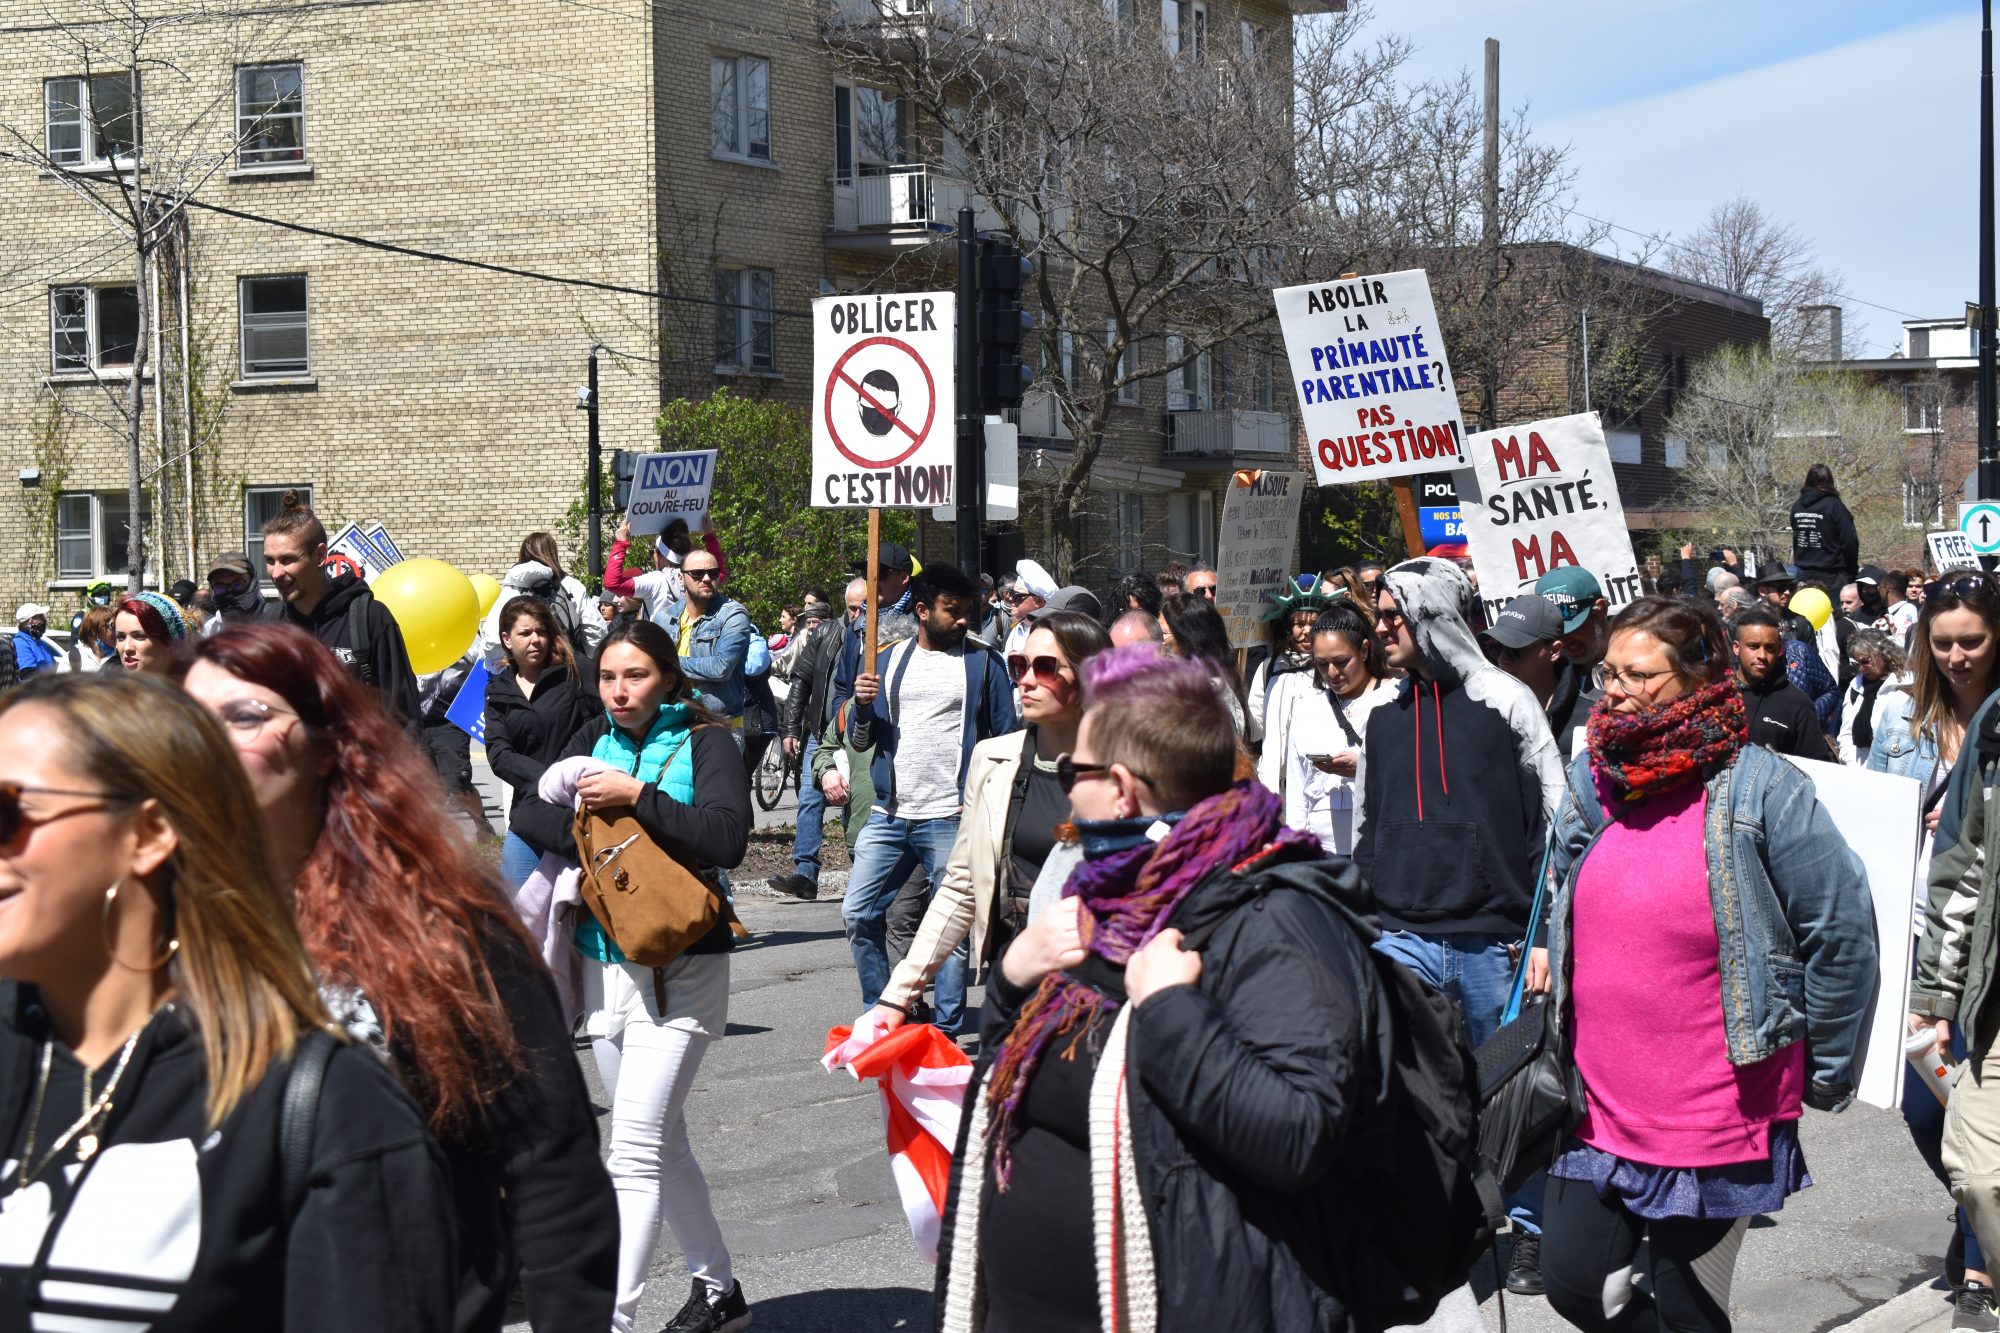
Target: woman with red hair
{"x": 146, "y": 633}
{"x": 416, "y": 948}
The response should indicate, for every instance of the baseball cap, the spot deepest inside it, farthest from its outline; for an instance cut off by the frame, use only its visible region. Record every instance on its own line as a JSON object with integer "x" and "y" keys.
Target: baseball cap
{"x": 28, "y": 611}
{"x": 230, "y": 562}
{"x": 889, "y": 556}
{"x": 1529, "y": 618}
{"x": 1071, "y": 597}
{"x": 1873, "y": 574}
{"x": 1572, "y": 588}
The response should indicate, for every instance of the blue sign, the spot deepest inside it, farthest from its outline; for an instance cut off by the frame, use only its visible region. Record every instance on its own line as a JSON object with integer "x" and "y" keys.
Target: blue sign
{"x": 468, "y": 710}
{"x": 1441, "y": 526}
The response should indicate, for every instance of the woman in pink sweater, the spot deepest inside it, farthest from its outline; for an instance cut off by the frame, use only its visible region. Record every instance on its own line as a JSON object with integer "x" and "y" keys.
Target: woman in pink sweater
{"x": 1712, "y": 930}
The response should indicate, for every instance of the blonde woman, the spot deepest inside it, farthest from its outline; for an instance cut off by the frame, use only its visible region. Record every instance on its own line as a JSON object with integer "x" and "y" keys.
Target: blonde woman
{"x": 156, "y": 993}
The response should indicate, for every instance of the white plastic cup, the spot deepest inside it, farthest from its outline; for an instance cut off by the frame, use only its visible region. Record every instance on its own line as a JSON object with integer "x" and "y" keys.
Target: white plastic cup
{"x": 1921, "y": 1049}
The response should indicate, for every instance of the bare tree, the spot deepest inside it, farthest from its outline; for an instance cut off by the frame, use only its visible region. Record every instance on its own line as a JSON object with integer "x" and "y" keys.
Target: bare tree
{"x": 1741, "y": 248}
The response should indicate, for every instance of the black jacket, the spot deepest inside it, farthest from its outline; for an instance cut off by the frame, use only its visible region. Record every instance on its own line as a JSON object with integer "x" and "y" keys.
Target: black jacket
{"x": 1824, "y": 543}
{"x": 714, "y": 832}
{"x": 177, "y": 1212}
{"x": 1782, "y": 719}
{"x": 525, "y": 735}
{"x": 9, "y": 675}
{"x": 1253, "y": 1097}
{"x": 812, "y": 681}
{"x": 371, "y": 646}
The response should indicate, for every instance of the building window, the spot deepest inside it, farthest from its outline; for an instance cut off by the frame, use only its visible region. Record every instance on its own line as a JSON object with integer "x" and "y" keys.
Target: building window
{"x": 89, "y": 122}
{"x": 739, "y": 94}
{"x": 1920, "y": 344}
{"x": 1923, "y": 504}
{"x": 1128, "y": 367}
{"x": 1187, "y": 383}
{"x": 746, "y": 335}
{"x": 1131, "y": 517}
{"x": 274, "y": 326}
{"x": 270, "y": 115}
{"x": 93, "y": 534}
{"x": 1923, "y": 408}
{"x": 261, "y": 504}
{"x": 1191, "y": 526}
{"x": 1184, "y": 27}
{"x": 1253, "y": 41}
{"x": 1676, "y": 452}
{"x": 92, "y": 329}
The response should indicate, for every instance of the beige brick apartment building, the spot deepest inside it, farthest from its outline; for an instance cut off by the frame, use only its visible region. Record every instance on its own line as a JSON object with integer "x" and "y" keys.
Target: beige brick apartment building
{"x": 711, "y": 152}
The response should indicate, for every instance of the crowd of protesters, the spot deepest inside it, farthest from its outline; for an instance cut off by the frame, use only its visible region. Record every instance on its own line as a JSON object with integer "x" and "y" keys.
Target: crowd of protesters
{"x": 302, "y": 1055}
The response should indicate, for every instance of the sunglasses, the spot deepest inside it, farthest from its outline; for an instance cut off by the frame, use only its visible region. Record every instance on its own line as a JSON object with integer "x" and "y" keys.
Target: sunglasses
{"x": 1016, "y": 598}
{"x": 14, "y": 816}
{"x": 705, "y": 575}
{"x": 1069, "y": 772}
{"x": 1047, "y": 670}
{"x": 1964, "y": 587}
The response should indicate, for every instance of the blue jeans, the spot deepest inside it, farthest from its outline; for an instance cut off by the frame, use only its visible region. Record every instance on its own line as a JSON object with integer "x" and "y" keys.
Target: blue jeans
{"x": 884, "y": 857}
{"x": 518, "y": 861}
{"x": 812, "y": 814}
{"x": 1476, "y": 971}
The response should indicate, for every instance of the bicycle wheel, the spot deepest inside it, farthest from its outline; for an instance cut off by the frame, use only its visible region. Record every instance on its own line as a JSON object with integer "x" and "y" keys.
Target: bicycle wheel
{"x": 770, "y": 784}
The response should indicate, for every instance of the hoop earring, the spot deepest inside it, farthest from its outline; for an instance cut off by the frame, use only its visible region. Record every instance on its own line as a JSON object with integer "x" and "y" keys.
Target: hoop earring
{"x": 104, "y": 931}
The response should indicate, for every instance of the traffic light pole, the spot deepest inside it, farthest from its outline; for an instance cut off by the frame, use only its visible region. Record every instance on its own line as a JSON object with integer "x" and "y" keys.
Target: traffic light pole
{"x": 1988, "y": 485}
{"x": 596, "y": 478}
{"x": 971, "y": 483}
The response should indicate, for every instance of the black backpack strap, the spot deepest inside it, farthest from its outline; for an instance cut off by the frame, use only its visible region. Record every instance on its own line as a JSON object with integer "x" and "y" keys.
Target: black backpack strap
{"x": 300, "y": 1109}
{"x": 354, "y": 628}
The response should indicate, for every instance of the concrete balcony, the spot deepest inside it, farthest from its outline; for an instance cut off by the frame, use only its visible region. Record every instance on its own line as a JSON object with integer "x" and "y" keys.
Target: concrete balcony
{"x": 881, "y": 211}
{"x": 1229, "y": 433}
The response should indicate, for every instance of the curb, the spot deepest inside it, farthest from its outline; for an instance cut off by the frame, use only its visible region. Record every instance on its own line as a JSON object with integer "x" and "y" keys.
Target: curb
{"x": 1919, "y": 1310}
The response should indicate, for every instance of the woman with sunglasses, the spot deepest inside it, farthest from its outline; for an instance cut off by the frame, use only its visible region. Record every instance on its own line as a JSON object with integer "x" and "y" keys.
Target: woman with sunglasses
{"x": 156, "y": 997}
{"x": 1702, "y": 1016}
{"x": 534, "y": 704}
{"x": 1920, "y": 732}
{"x": 1312, "y": 754}
{"x": 418, "y": 951}
{"x": 147, "y": 630}
{"x": 1015, "y": 805}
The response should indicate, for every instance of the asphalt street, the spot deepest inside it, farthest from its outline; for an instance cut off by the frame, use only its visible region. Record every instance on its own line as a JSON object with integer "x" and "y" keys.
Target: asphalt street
{"x": 796, "y": 1166}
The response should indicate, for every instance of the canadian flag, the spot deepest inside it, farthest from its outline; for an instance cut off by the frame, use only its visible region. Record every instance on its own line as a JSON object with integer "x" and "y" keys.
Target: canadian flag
{"x": 923, "y": 1077}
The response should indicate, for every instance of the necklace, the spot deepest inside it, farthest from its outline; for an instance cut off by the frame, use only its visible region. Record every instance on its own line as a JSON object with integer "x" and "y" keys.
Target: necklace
{"x": 88, "y": 1127}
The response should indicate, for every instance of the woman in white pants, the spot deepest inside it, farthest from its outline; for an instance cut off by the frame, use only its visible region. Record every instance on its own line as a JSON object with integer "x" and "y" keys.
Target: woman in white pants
{"x": 682, "y": 777}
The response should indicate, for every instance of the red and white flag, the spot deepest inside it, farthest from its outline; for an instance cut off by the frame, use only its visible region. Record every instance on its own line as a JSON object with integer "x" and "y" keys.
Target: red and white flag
{"x": 922, "y": 1076}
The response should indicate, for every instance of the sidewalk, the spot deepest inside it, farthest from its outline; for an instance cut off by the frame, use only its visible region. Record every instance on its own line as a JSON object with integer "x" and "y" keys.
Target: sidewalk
{"x": 1919, "y": 1310}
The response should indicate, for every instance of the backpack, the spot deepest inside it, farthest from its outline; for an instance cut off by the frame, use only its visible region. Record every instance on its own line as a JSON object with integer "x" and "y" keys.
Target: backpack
{"x": 563, "y": 610}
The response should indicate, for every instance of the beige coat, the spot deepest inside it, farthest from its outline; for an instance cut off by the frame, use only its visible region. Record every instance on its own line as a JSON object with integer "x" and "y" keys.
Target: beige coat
{"x": 970, "y": 898}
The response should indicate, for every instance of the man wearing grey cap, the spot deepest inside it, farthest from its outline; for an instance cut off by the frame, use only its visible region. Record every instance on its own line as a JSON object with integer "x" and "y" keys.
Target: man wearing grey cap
{"x": 238, "y": 593}
{"x": 1528, "y": 638}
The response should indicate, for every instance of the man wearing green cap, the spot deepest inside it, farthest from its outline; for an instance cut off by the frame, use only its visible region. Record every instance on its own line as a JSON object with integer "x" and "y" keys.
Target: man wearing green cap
{"x": 1585, "y": 614}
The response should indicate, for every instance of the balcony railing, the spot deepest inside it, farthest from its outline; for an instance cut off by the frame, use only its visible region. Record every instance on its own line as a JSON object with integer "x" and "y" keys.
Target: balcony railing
{"x": 904, "y": 199}
{"x": 1228, "y": 431}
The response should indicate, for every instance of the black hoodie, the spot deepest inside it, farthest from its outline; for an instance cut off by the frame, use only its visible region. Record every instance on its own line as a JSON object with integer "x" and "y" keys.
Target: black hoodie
{"x": 1824, "y": 543}
{"x": 176, "y": 1229}
{"x": 247, "y": 604}
{"x": 367, "y": 642}
{"x": 525, "y": 735}
{"x": 1782, "y": 718}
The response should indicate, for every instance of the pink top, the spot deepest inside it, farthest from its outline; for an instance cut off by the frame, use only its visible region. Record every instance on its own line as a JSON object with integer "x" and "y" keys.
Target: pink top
{"x": 1646, "y": 1002}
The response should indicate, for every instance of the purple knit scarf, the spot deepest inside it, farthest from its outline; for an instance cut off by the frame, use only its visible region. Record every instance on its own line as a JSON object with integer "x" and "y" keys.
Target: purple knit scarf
{"x": 1128, "y": 897}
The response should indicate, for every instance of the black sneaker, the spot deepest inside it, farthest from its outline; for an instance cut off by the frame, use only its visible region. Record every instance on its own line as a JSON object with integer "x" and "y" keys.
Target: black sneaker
{"x": 705, "y": 1314}
{"x": 1975, "y": 1308}
{"x": 1524, "y": 1269}
{"x": 794, "y": 886}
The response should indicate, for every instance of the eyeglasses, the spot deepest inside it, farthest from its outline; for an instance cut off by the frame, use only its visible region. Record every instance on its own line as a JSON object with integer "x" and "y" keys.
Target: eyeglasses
{"x": 1048, "y": 670}
{"x": 14, "y": 816}
{"x": 1628, "y": 682}
{"x": 246, "y": 717}
{"x": 1964, "y": 587}
{"x": 1069, "y": 772}
{"x": 705, "y": 575}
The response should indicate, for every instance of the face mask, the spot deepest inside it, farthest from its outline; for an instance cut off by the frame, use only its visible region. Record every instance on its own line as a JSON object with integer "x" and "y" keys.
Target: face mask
{"x": 1107, "y": 837}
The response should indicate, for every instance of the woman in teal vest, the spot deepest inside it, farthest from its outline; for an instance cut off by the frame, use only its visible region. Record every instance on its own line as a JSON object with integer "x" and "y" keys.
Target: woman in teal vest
{"x": 665, "y": 757}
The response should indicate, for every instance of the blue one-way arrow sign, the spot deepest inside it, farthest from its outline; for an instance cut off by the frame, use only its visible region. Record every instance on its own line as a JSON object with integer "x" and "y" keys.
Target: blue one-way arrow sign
{"x": 1981, "y": 525}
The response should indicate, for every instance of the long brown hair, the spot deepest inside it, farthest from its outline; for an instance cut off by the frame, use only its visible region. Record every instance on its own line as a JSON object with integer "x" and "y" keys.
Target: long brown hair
{"x": 540, "y": 547}
{"x": 392, "y": 899}
{"x": 1932, "y": 712}
{"x": 240, "y": 969}
{"x": 539, "y": 611}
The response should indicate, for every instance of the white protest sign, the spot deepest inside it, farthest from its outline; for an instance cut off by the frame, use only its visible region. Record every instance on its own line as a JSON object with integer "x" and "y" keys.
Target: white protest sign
{"x": 885, "y": 411}
{"x": 353, "y": 543}
{"x": 1260, "y": 528}
{"x": 670, "y": 486}
{"x": 1375, "y": 390}
{"x": 1541, "y": 496}
{"x": 385, "y": 545}
{"x": 1880, "y": 803}
{"x": 1952, "y": 550}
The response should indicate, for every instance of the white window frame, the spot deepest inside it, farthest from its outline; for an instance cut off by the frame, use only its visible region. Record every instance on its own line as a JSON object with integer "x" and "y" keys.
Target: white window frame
{"x": 857, "y": 165}
{"x": 271, "y": 322}
{"x": 253, "y": 528}
{"x": 731, "y": 79}
{"x": 247, "y": 123}
{"x": 1184, "y": 27}
{"x": 1190, "y": 388}
{"x": 63, "y": 323}
{"x": 1127, "y": 394}
{"x": 88, "y": 155}
{"x": 1252, "y": 39}
{"x": 1912, "y": 505}
{"x": 1927, "y": 400}
{"x": 1196, "y": 519}
{"x": 752, "y": 315}
{"x": 95, "y": 531}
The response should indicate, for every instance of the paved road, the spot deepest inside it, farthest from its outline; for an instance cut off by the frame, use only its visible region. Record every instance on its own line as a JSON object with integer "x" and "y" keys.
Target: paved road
{"x": 795, "y": 1162}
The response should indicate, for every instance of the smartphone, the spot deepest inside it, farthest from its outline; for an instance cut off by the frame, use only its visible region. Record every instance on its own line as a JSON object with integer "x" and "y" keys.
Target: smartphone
{"x": 1715, "y": 556}
{"x": 1319, "y": 758}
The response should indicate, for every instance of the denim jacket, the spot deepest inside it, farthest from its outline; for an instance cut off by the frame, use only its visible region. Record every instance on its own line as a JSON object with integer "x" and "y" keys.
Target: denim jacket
{"x": 716, "y": 653}
{"x": 1897, "y": 748}
{"x": 1793, "y": 917}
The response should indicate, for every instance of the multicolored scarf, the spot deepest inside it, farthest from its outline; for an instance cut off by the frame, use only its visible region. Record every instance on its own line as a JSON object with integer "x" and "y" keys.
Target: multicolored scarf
{"x": 1128, "y": 897}
{"x": 1636, "y": 755}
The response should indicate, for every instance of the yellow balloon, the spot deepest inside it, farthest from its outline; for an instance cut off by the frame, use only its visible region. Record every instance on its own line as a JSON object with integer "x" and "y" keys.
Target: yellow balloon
{"x": 488, "y": 589}
{"x": 435, "y": 606}
{"x": 1812, "y": 604}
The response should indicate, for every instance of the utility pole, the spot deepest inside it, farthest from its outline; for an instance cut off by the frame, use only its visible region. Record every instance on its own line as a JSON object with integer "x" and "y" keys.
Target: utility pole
{"x": 1489, "y": 229}
{"x": 595, "y": 480}
{"x": 971, "y": 483}
{"x": 1989, "y": 449}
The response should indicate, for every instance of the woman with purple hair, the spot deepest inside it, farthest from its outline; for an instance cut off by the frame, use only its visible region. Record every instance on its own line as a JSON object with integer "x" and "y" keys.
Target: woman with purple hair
{"x": 1159, "y": 1134}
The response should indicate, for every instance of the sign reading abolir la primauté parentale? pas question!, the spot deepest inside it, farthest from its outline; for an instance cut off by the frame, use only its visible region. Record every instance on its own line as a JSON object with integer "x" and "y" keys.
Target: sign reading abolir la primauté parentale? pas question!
{"x": 1374, "y": 384}
{"x": 885, "y": 408}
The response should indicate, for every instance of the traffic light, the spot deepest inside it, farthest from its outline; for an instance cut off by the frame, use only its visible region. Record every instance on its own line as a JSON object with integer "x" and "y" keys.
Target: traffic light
{"x": 624, "y": 462}
{"x": 1003, "y": 325}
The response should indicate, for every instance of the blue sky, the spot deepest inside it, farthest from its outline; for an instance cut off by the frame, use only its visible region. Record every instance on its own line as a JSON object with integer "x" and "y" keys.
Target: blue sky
{"x": 1856, "y": 122}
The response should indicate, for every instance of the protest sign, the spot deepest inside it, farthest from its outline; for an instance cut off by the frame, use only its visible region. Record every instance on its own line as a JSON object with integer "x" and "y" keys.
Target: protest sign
{"x": 1375, "y": 389}
{"x": 885, "y": 407}
{"x": 670, "y": 486}
{"x": 1952, "y": 550}
{"x": 355, "y": 544}
{"x": 1260, "y": 528}
{"x": 1541, "y": 496}
{"x": 1859, "y": 798}
{"x": 385, "y": 546}
{"x": 468, "y": 710}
